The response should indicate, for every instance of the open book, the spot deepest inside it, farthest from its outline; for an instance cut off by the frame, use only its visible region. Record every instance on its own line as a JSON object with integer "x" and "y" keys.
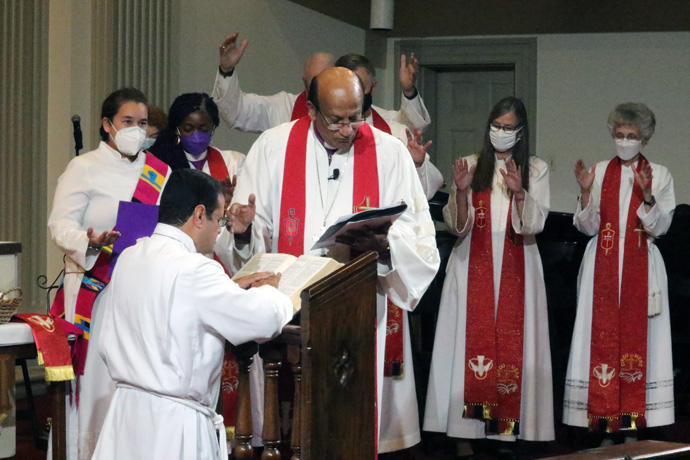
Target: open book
{"x": 298, "y": 272}
{"x": 369, "y": 218}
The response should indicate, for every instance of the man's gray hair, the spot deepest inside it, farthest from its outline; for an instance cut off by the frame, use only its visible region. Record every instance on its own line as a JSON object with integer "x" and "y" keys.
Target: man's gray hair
{"x": 634, "y": 114}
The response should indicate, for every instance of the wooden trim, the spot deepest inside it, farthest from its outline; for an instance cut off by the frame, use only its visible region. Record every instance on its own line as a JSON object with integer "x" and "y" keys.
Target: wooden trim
{"x": 435, "y": 55}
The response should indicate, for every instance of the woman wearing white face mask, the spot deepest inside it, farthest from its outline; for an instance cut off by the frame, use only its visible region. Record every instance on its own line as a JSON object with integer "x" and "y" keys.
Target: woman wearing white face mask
{"x": 620, "y": 372}
{"x": 82, "y": 222}
{"x": 491, "y": 365}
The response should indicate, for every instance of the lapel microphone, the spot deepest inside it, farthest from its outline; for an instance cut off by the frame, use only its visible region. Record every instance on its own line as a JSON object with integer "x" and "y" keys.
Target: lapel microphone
{"x": 336, "y": 174}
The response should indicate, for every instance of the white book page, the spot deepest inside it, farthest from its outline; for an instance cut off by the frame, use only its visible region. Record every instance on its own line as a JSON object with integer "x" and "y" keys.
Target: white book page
{"x": 266, "y": 263}
{"x": 300, "y": 272}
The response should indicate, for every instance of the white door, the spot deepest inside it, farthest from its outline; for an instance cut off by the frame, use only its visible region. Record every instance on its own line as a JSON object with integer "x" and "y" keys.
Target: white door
{"x": 464, "y": 99}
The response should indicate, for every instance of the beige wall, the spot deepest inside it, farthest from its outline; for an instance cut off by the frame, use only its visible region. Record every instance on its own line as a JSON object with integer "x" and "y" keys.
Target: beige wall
{"x": 281, "y": 36}
{"x": 580, "y": 78}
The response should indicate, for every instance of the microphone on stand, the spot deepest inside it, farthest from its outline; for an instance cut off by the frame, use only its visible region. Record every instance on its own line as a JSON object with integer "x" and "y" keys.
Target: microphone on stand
{"x": 336, "y": 174}
{"x": 76, "y": 124}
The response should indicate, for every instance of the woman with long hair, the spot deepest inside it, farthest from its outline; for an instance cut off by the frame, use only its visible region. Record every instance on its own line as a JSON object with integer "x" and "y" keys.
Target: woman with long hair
{"x": 491, "y": 364}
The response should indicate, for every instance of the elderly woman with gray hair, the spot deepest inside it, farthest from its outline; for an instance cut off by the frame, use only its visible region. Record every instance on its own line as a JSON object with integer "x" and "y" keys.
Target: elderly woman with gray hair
{"x": 620, "y": 372}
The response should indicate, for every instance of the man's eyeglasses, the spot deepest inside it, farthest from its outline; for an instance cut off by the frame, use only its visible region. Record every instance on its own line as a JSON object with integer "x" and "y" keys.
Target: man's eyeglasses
{"x": 223, "y": 221}
{"x": 338, "y": 126}
{"x": 508, "y": 129}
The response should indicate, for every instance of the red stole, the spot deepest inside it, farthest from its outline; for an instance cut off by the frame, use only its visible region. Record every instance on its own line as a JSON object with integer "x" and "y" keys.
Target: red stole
{"x": 218, "y": 170}
{"x": 216, "y": 164}
{"x": 51, "y": 342}
{"x": 147, "y": 191}
{"x": 494, "y": 336}
{"x": 300, "y": 108}
{"x": 379, "y": 122}
{"x": 365, "y": 193}
{"x": 618, "y": 358}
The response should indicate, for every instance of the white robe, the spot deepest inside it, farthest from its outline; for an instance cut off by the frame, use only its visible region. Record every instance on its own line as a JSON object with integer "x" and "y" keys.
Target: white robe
{"x": 445, "y": 396}
{"x": 255, "y": 113}
{"x": 225, "y": 250}
{"x": 87, "y": 195}
{"x": 414, "y": 257}
{"x": 659, "y": 398}
{"x": 429, "y": 175}
{"x": 167, "y": 320}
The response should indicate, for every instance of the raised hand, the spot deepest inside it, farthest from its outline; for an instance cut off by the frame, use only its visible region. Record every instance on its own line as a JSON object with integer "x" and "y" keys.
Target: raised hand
{"x": 462, "y": 174}
{"x": 230, "y": 53}
{"x": 416, "y": 146}
{"x": 643, "y": 177}
{"x": 408, "y": 75}
{"x": 103, "y": 239}
{"x": 242, "y": 215}
{"x": 512, "y": 177}
{"x": 584, "y": 176}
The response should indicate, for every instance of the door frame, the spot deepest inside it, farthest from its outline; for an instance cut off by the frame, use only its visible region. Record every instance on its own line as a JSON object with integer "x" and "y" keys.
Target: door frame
{"x": 456, "y": 53}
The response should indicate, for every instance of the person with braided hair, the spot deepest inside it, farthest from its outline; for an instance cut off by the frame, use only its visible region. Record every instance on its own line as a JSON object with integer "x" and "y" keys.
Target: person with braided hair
{"x": 186, "y": 143}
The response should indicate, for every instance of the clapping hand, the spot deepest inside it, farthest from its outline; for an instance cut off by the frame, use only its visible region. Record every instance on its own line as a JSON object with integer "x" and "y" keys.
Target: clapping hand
{"x": 584, "y": 176}
{"x": 230, "y": 53}
{"x": 643, "y": 177}
{"x": 512, "y": 177}
{"x": 416, "y": 146}
{"x": 463, "y": 174}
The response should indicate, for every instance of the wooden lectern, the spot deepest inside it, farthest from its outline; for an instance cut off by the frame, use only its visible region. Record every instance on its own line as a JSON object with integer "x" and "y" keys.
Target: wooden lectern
{"x": 333, "y": 357}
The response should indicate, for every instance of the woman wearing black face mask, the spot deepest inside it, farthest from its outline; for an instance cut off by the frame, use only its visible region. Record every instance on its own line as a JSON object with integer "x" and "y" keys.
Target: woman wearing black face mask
{"x": 624, "y": 205}
{"x": 83, "y": 225}
{"x": 491, "y": 366}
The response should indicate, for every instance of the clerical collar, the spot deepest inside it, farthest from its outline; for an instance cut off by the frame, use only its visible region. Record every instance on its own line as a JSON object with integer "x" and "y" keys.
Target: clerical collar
{"x": 330, "y": 150}
{"x": 197, "y": 162}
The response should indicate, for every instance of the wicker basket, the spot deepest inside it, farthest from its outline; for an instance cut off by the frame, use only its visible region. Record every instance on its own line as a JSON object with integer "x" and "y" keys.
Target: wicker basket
{"x": 9, "y": 304}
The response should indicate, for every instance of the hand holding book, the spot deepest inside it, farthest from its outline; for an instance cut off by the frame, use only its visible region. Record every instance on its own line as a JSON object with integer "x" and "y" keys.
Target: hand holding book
{"x": 367, "y": 238}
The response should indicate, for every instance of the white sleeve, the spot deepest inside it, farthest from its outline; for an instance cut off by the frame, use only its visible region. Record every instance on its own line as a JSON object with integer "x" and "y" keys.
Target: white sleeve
{"x": 535, "y": 208}
{"x": 657, "y": 221}
{"x": 430, "y": 178}
{"x": 412, "y": 238}
{"x": 587, "y": 220}
{"x": 412, "y": 113}
{"x": 256, "y": 177}
{"x": 69, "y": 206}
{"x": 237, "y": 314}
{"x": 247, "y": 111}
{"x": 450, "y": 213}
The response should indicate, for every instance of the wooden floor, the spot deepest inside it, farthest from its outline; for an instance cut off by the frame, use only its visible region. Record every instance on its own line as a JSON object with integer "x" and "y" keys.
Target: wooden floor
{"x": 436, "y": 446}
